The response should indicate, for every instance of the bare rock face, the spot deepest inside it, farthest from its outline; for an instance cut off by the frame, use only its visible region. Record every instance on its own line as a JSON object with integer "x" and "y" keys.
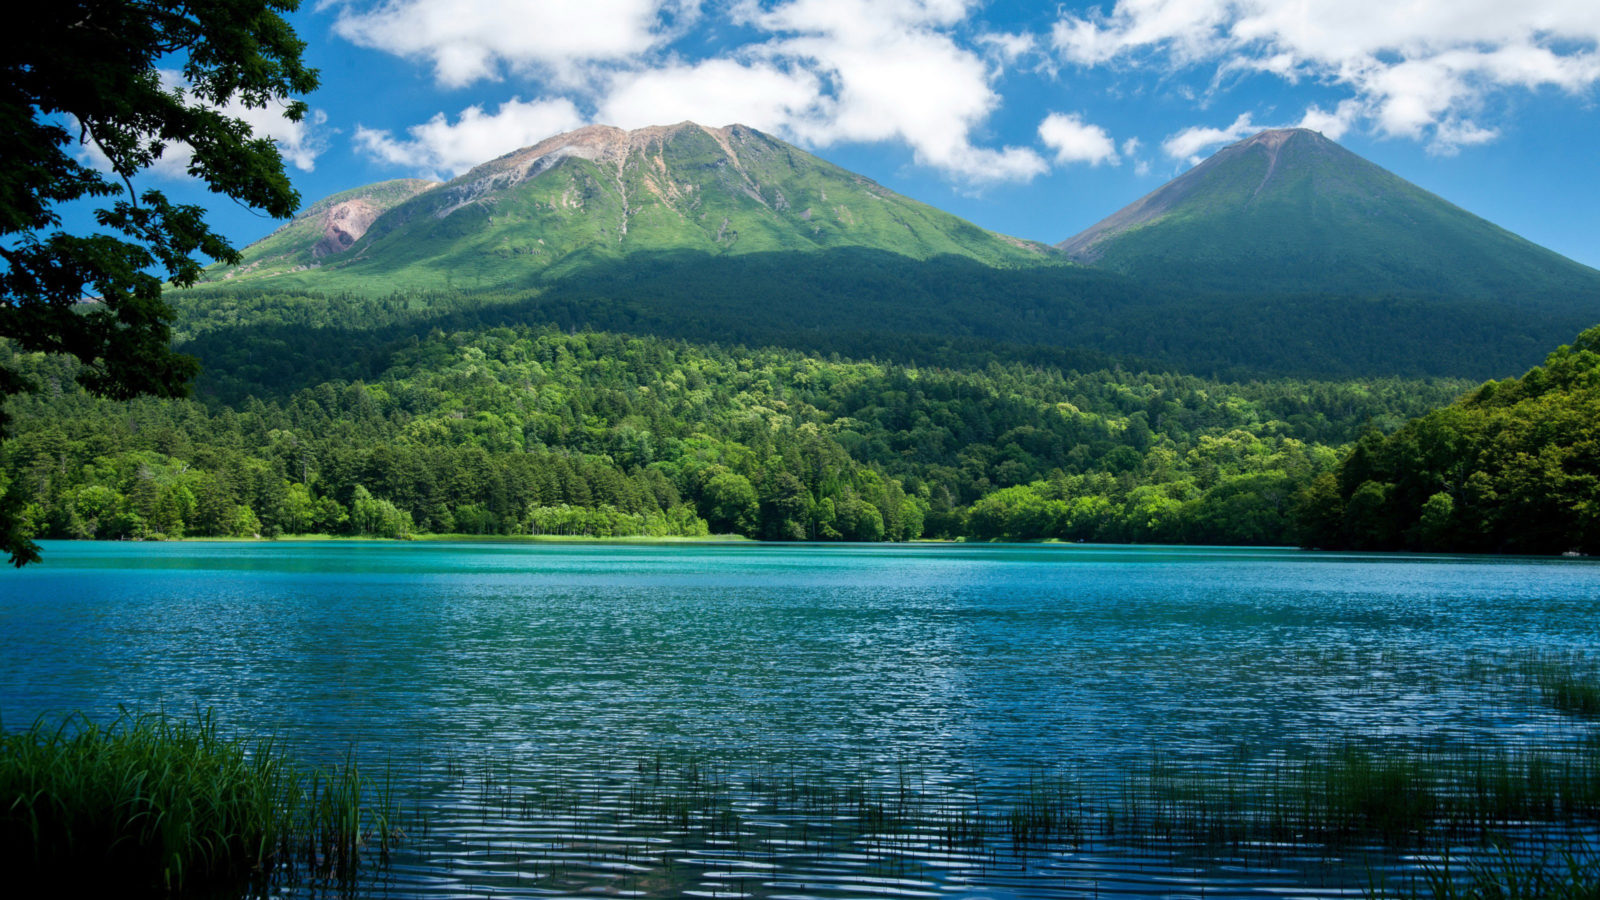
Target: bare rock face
{"x": 608, "y": 146}
{"x": 343, "y": 224}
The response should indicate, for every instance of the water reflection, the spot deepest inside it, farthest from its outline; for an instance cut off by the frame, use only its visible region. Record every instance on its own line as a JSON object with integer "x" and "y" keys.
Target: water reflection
{"x": 565, "y": 665}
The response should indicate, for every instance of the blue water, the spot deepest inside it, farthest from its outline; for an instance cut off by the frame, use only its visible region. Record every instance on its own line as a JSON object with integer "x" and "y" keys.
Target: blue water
{"x": 968, "y": 664}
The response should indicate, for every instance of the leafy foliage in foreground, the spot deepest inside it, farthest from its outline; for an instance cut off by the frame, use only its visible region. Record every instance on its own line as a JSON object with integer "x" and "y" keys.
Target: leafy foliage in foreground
{"x": 1512, "y": 467}
{"x": 89, "y": 75}
{"x": 528, "y": 431}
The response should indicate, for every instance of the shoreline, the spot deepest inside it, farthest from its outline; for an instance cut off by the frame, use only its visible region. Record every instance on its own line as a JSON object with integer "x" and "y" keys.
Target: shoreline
{"x": 430, "y": 538}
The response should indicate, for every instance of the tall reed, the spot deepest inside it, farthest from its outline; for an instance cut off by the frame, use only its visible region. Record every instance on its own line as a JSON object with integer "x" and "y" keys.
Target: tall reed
{"x": 155, "y": 806}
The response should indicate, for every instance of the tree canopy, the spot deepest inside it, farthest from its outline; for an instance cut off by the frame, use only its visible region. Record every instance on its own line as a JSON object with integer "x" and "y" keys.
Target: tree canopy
{"x": 92, "y": 93}
{"x": 1513, "y": 467}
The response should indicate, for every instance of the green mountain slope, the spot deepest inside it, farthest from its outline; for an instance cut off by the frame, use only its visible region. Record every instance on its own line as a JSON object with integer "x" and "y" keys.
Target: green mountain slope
{"x": 1291, "y": 211}
{"x": 598, "y": 194}
{"x": 1283, "y": 255}
{"x": 323, "y": 229}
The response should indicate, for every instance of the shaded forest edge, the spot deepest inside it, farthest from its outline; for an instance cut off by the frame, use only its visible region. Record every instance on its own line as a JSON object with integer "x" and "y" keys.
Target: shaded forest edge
{"x": 1513, "y": 467}
{"x": 871, "y": 304}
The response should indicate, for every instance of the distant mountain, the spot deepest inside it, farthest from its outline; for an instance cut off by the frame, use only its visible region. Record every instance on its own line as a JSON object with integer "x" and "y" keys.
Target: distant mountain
{"x": 1282, "y": 255}
{"x": 600, "y": 193}
{"x": 324, "y": 229}
{"x": 1289, "y": 211}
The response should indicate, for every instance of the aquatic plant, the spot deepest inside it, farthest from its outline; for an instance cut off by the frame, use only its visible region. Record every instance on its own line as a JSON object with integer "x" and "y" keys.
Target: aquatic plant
{"x": 1565, "y": 682}
{"x": 157, "y": 805}
{"x": 1571, "y": 872}
{"x": 1358, "y": 793}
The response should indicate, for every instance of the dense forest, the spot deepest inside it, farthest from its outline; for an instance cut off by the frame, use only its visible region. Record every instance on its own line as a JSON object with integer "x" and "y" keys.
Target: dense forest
{"x": 871, "y": 305}
{"x": 531, "y": 430}
{"x": 1513, "y": 467}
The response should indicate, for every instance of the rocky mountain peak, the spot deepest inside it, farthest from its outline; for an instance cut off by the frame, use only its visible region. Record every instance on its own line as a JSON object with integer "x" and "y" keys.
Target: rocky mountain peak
{"x": 605, "y": 145}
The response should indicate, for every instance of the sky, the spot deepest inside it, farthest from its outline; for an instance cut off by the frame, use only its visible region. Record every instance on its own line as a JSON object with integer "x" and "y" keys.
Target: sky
{"x": 1035, "y": 120}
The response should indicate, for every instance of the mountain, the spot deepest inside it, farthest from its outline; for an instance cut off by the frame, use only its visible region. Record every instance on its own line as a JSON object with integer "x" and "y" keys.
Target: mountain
{"x": 1282, "y": 255}
{"x": 599, "y": 194}
{"x": 1289, "y": 211}
{"x": 324, "y": 229}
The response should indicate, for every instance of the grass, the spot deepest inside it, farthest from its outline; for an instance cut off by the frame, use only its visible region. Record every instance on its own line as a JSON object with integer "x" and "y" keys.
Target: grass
{"x": 1360, "y": 794}
{"x": 1571, "y": 873}
{"x": 152, "y": 805}
{"x": 1390, "y": 797}
{"x": 1565, "y": 682}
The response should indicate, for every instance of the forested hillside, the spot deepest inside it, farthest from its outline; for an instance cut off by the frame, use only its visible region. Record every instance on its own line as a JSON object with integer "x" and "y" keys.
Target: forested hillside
{"x": 1283, "y": 255}
{"x": 684, "y": 331}
{"x": 1513, "y": 467}
{"x": 527, "y": 431}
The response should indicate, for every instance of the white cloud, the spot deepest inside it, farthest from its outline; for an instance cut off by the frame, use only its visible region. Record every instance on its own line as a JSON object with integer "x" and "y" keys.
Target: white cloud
{"x": 300, "y": 142}
{"x": 1075, "y": 140}
{"x": 1009, "y": 48}
{"x": 469, "y": 40}
{"x": 714, "y": 92}
{"x": 1332, "y": 124}
{"x": 890, "y": 71}
{"x": 1420, "y": 69}
{"x": 440, "y": 146}
{"x": 1193, "y": 143}
{"x": 820, "y": 72}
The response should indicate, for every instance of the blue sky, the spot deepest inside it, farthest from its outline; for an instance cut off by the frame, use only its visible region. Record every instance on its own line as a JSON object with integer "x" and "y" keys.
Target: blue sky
{"x": 1035, "y": 120}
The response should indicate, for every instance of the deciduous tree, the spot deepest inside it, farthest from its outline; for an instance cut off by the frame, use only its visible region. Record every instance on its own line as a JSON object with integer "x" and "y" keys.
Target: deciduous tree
{"x": 93, "y": 93}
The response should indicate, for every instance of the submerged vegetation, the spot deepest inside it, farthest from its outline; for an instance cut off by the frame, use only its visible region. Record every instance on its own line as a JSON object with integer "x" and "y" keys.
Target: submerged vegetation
{"x": 162, "y": 806}
{"x": 156, "y": 805}
{"x": 1570, "y": 873}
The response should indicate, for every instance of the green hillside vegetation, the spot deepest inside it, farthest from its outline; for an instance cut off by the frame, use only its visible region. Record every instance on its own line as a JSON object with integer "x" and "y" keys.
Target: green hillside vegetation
{"x": 1289, "y": 209}
{"x": 530, "y": 431}
{"x": 559, "y": 342}
{"x": 870, "y": 304}
{"x": 600, "y": 194}
{"x": 1514, "y": 467}
{"x": 1284, "y": 255}
{"x": 304, "y": 242}
{"x": 1295, "y": 258}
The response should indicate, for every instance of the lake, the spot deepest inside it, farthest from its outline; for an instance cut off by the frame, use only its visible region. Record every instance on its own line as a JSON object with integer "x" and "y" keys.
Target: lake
{"x": 527, "y": 698}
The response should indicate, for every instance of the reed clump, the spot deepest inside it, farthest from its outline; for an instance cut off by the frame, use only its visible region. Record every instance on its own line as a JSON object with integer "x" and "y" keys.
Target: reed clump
{"x": 1571, "y": 873}
{"x": 1565, "y": 682}
{"x": 1360, "y": 794}
{"x": 159, "y": 806}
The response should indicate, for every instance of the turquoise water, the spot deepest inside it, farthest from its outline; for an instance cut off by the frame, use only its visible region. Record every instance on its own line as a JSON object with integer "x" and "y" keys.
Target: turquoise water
{"x": 967, "y": 665}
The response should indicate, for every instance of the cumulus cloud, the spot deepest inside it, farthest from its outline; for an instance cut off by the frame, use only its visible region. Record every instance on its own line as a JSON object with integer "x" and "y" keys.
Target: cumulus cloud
{"x": 1075, "y": 140}
{"x": 1009, "y": 48}
{"x": 714, "y": 92}
{"x": 1420, "y": 69}
{"x": 891, "y": 71}
{"x": 820, "y": 72}
{"x": 1332, "y": 123}
{"x": 1192, "y": 144}
{"x": 469, "y": 40}
{"x": 440, "y": 146}
{"x": 300, "y": 142}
